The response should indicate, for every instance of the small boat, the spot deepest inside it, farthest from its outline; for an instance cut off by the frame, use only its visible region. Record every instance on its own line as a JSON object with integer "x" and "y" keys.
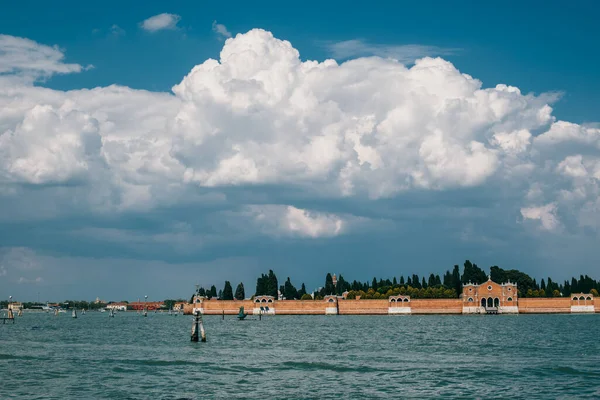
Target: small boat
{"x": 74, "y": 313}
{"x": 242, "y": 314}
{"x": 102, "y": 310}
{"x": 83, "y": 311}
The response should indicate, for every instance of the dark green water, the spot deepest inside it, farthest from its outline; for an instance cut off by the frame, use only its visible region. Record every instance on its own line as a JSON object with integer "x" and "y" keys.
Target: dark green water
{"x": 293, "y": 357}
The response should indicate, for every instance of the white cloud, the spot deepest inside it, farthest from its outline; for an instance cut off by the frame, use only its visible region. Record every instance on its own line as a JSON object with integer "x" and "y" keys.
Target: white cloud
{"x": 23, "y": 280}
{"x": 546, "y": 214}
{"x": 403, "y": 53}
{"x": 221, "y": 30}
{"x": 116, "y": 30}
{"x": 30, "y": 61}
{"x": 279, "y": 220}
{"x": 160, "y": 22}
{"x": 369, "y": 128}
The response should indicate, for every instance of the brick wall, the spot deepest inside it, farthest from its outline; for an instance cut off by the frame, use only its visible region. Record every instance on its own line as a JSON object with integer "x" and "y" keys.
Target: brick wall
{"x": 544, "y": 305}
{"x": 357, "y": 307}
{"x": 436, "y": 306}
{"x": 374, "y": 307}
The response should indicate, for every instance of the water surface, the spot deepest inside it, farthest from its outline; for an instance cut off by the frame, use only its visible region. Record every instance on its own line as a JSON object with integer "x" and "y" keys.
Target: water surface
{"x": 300, "y": 357}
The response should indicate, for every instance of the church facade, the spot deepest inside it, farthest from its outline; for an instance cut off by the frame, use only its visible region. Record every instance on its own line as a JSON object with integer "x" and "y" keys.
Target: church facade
{"x": 490, "y": 298}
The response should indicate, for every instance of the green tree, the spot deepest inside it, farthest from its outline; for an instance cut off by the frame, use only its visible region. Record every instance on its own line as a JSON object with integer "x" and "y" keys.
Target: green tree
{"x": 456, "y": 282}
{"x": 329, "y": 288}
{"x": 227, "y": 291}
{"x": 306, "y": 296}
{"x": 302, "y": 291}
{"x": 289, "y": 291}
{"x": 472, "y": 273}
{"x": 240, "y": 294}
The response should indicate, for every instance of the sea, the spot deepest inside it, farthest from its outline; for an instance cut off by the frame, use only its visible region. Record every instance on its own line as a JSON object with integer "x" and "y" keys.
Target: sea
{"x": 43, "y": 356}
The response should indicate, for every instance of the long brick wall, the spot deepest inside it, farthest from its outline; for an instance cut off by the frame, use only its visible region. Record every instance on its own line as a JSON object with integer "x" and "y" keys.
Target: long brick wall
{"x": 436, "y": 306}
{"x": 380, "y": 307}
{"x": 544, "y": 305}
{"x": 358, "y": 307}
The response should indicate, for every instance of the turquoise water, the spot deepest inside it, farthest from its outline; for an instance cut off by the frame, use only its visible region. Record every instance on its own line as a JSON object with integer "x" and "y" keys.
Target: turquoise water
{"x": 293, "y": 357}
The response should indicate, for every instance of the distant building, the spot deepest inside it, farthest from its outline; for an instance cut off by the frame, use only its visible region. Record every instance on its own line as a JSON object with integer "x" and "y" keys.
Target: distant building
{"x": 490, "y": 297}
{"x": 98, "y": 301}
{"x": 178, "y": 306}
{"x": 149, "y": 305}
{"x": 117, "y": 306}
{"x": 334, "y": 279}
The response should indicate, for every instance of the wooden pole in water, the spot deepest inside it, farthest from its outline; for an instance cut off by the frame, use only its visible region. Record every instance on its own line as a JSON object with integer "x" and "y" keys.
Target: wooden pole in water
{"x": 223, "y": 315}
{"x": 198, "y": 327}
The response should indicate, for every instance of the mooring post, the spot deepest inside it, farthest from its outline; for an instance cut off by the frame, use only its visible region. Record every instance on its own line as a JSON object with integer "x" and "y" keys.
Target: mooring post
{"x": 223, "y": 315}
{"x": 198, "y": 326}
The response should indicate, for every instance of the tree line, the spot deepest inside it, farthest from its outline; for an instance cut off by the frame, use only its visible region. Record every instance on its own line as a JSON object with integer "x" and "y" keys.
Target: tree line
{"x": 449, "y": 285}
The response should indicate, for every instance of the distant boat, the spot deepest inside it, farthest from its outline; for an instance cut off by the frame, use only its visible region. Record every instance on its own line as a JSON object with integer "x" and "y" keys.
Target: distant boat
{"x": 112, "y": 313}
{"x": 102, "y": 310}
{"x": 56, "y": 312}
{"x": 74, "y": 313}
{"x": 83, "y": 311}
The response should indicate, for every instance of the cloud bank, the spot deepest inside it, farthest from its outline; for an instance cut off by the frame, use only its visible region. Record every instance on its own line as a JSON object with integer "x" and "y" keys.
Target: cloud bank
{"x": 265, "y": 143}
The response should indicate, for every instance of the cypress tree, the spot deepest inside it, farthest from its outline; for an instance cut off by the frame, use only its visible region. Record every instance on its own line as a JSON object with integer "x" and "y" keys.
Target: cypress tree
{"x": 302, "y": 291}
{"x": 240, "y": 294}
{"x": 272, "y": 284}
{"x": 401, "y": 280}
{"x": 431, "y": 281}
{"x": 329, "y": 288}
{"x": 374, "y": 284}
{"x": 227, "y": 291}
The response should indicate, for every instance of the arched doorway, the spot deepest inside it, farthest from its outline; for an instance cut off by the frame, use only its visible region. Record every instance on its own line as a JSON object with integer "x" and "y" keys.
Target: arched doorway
{"x": 483, "y": 302}
{"x": 496, "y": 302}
{"x": 490, "y": 302}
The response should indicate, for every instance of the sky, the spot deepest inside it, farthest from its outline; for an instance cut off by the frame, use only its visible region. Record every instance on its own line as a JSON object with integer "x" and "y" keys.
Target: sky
{"x": 146, "y": 148}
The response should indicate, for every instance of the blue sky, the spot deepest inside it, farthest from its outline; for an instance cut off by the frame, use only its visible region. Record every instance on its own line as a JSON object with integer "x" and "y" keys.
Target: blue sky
{"x": 117, "y": 191}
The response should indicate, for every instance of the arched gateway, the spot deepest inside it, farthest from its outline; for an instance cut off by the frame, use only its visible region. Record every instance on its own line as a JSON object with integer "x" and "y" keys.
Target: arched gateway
{"x": 490, "y": 298}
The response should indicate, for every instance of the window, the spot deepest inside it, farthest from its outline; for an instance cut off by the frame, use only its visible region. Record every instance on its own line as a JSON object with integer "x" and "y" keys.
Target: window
{"x": 574, "y": 298}
{"x": 582, "y": 298}
{"x": 490, "y": 287}
{"x": 470, "y": 289}
{"x": 470, "y": 300}
{"x": 509, "y": 289}
{"x": 588, "y": 298}
{"x": 509, "y": 299}
{"x": 331, "y": 300}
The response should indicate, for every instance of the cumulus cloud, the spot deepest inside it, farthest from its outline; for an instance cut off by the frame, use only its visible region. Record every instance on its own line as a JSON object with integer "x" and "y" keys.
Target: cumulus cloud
{"x": 160, "y": 22}
{"x": 220, "y": 30}
{"x": 279, "y": 220}
{"x": 260, "y": 119}
{"x": 30, "y": 61}
{"x": 408, "y": 53}
{"x": 546, "y": 214}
